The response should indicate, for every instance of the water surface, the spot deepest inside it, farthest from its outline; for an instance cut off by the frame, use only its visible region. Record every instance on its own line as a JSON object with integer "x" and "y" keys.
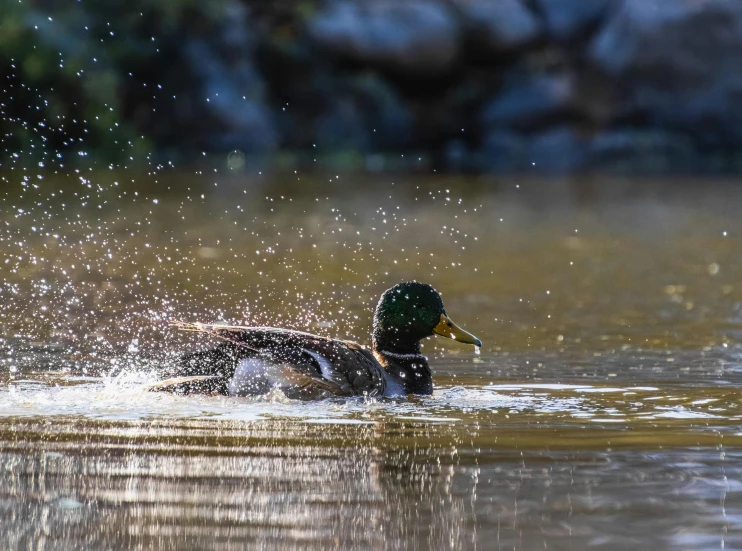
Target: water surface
{"x": 603, "y": 411}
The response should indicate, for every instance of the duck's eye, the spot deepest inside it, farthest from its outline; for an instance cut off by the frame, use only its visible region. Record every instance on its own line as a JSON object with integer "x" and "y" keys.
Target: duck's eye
{"x": 449, "y": 324}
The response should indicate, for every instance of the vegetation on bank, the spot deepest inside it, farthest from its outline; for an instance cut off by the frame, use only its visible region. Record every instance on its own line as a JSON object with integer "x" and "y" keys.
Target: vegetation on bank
{"x": 462, "y": 85}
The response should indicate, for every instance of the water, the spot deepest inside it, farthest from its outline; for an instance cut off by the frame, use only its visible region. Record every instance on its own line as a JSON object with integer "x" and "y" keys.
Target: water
{"x": 603, "y": 411}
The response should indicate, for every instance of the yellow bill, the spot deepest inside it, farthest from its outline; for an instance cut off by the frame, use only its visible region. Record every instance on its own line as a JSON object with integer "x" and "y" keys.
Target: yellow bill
{"x": 447, "y": 328}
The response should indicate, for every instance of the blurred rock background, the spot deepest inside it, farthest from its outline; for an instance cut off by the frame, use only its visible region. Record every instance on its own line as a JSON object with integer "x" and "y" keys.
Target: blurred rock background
{"x": 498, "y": 86}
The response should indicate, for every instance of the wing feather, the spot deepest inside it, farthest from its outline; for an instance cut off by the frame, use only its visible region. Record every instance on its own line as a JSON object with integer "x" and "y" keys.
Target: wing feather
{"x": 335, "y": 366}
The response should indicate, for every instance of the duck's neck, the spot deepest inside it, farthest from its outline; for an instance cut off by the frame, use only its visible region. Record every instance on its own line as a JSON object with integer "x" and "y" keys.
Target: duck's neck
{"x": 405, "y": 364}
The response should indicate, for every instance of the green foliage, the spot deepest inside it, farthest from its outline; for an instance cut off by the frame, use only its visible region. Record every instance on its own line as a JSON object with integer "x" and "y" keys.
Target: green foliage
{"x": 72, "y": 72}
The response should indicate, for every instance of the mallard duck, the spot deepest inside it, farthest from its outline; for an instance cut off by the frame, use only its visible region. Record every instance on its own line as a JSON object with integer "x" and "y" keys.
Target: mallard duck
{"x": 254, "y": 360}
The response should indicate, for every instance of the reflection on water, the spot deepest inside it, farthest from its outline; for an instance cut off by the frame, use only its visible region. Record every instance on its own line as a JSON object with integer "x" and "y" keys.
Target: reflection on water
{"x": 603, "y": 412}
{"x": 502, "y": 466}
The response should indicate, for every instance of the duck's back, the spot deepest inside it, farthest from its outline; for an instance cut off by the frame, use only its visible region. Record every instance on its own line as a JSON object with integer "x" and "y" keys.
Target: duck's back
{"x": 253, "y": 360}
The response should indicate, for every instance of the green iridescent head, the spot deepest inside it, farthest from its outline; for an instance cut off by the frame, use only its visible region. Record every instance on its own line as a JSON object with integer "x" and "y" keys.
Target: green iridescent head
{"x": 412, "y": 311}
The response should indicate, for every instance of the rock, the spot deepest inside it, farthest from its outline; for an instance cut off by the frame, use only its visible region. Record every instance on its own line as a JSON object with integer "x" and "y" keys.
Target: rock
{"x": 364, "y": 114}
{"x": 388, "y": 118}
{"x": 567, "y": 19}
{"x": 421, "y": 38}
{"x": 557, "y": 151}
{"x": 504, "y": 152}
{"x": 456, "y": 156}
{"x": 222, "y": 118}
{"x": 499, "y": 26}
{"x": 228, "y": 111}
{"x": 341, "y": 127}
{"x": 678, "y": 64}
{"x": 530, "y": 101}
{"x": 642, "y": 150}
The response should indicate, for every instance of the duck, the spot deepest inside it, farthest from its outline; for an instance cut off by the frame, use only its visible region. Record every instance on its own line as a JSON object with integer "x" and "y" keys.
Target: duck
{"x": 252, "y": 361}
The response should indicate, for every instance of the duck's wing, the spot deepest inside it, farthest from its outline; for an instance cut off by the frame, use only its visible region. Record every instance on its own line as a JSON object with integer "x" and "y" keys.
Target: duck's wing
{"x": 292, "y": 359}
{"x": 195, "y": 384}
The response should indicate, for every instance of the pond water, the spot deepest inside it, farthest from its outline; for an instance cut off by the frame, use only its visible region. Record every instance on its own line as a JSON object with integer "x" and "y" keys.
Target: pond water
{"x": 603, "y": 412}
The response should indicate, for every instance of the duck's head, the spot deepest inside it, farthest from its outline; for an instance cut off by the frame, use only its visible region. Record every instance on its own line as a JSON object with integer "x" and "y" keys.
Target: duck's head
{"x": 410, "y": 312}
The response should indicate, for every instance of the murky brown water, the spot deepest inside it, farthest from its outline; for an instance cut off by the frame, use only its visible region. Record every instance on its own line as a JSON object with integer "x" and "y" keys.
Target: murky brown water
{"x": 604, "y": 411}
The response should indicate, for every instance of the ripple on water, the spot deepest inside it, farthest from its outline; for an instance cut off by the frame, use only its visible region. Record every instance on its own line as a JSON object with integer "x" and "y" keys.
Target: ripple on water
{"x": 125, "y": 398}
{"x": 269, "y": 469}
